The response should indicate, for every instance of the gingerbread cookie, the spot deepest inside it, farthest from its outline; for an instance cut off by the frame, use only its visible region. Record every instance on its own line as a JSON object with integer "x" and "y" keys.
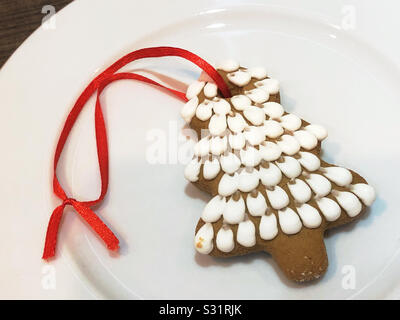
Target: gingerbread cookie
{"x": 270, "y": 189}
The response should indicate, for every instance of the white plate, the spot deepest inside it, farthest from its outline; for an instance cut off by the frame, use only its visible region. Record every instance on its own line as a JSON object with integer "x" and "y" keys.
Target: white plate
{"x": 338, "y": 65}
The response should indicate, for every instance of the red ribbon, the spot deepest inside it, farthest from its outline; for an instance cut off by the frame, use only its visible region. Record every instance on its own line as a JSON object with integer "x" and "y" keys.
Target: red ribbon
{"x": 98, "y": 84}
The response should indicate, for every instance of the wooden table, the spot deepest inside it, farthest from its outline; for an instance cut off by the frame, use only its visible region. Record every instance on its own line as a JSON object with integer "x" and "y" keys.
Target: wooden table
{"x": 18, "y": 19}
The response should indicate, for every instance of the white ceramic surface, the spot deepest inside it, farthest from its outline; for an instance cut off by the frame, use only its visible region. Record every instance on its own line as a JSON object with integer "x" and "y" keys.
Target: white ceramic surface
{"x": 341, "y": 73}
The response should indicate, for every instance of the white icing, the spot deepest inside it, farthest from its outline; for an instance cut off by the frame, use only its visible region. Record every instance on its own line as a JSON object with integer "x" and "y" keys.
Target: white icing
{"x": 218, "y": 145}
{"x": 318, "y": 131}
{"x": 221, "y": 107}
{"x": 270, "y": 176}
{"x": 203, "y": 239}
{"x": 319, "y": 184}
{"x": 365, "y": 192}
{"x": 309, "y": 161}
{"x": 272, "y": 129}
{"x": 230, "y": 163}
{"x": 306, "y": 139}
{"x": 250, "y": 157}
{"x": 204, "y": 110}
{"x": 289, "y": 221}
{"x": 239, "y": 78}
{"x": 210, "y": 90}
{"x": 254, "y": 135}
{"x": 217, "y": 124}
{"x": 224, "y": 240}
{"x": 192, "y": 170}
{"x": 329, "y": 208}
{"x": 240, "y": 102}
{"x": 289, "y": 145}
{"x": 211, "y": 169}
{"x": 189, "y": 109}
{"x": 309, "y": 215}
{"x": 236, "y": 123}
{"x": 254, "y": 114}
{"x": 277, "y": 197}
{"x": 213, "y": 209}
{"x": 290, "y": 167}
{"x": 228, "y": 184}
{"x": 268, "y": 227}
{"x": 269, "y": 151}
{"x": 273, "y": 109}
{"x": 194, "y": 89}
{"x": 349, "y": 202}
{"x": 258, "y": 73}
{"x": 257, "y": 205}
{"x": 291, "y": 122}
{"x": 237, "y": 141}
{"x": 246, "y": 234}
{"x": 234, "y": 211}
{"x": 202, "y": 148}
{"x": 248, "y": 179}
{"x": 228, "y": 65}
{"x": 270, "y": 85}
{"x": 257, "y": 95}
{"x": 300, "y": 191}
{"x": 341, "y": 176}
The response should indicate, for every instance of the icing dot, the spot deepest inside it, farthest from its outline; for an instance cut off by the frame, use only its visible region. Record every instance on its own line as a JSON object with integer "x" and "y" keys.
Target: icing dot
{"x": 254, "y": 135}
{"x": 203, "y": 239}
{"x": 365, "y": 192}
{"x": 329, "y": 208}
{"x": 289, "y": 221}
{"x": 306, "y": 139}
{"x": 189, "y": 109}
{"x": 228, "y": 184}
{"x": 250, "y": 157}
{"x": 257, "y": 95}
{"x": 258, "y": 73}
{"x": 254, "y": 114}
{"x": 272, "y": 129}
{"x": 214, "y": 209}
{"x": 202, "y": 148}
{"x": 290, "y": 167}
{"x": 273, "y": 109}
{"x": 289, "y": 145}
{"x": 239, "y": 78}
{"x": 221, "y": 107}
{"x": 309, "y": 215}
{"x": 291, "y": 122}
{"x": 210, "y": 90}
{"x": 194, "y": 89}
{"x": 341, "y": 176}
{"x": 228, "y": 65}
{"x": 211, "y": 169}
{"x": 277, "y": 198}
{"x": 230, "y": 163}
{"x": 318, "y": 131}
{"x": 246, "y": 234}
{"x": 300, "y": 191}
{"x": 234, "y": 210}
{"x": 224, "y": 240}
{"x": 319, "y": 184}
{"x": 270, "y": 151}
{"x": 240, "y": 102}
{"x": 192, "y": 170}
{"x": 237, "y": 141}
{"x": 218, "y": 145}
{"x": 270, "y": 85}
{"x": 248, "y": 180}
{"x": 217, "y": 125}
{"x": 270, "y": 176}
{"x": 349, "y": 202}
{"x": 204, "y": 111}
{"x": 236, "y": 123}
{"x": 268, "y": 227}
{"x": 257, "y": 206}
{"x": 309, "y": 161}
